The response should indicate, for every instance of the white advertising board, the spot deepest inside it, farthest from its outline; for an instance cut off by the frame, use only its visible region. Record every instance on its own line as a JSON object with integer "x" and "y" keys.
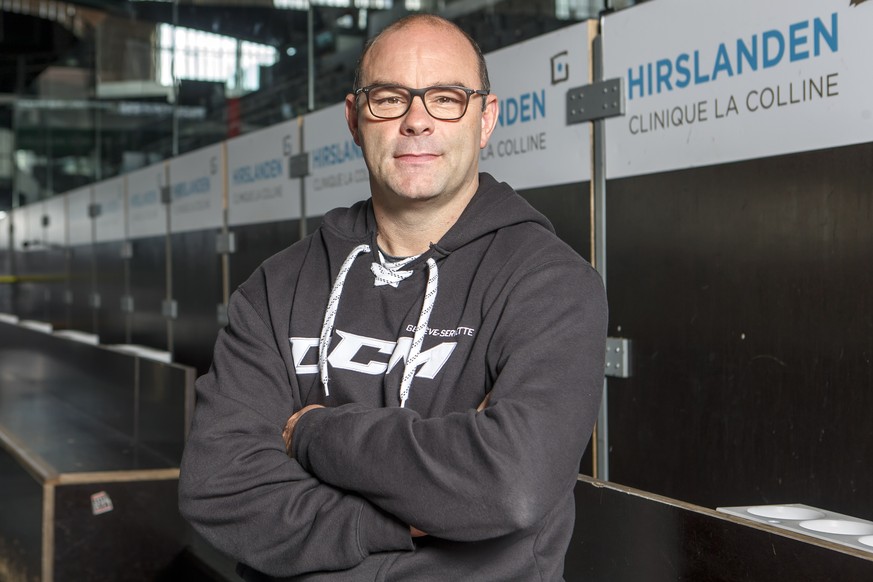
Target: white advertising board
{"x": 5, "y": 221}
{"x": 259, "y": 186}
{"x": 111, "y": 223}
{"x": 34, "y": 232}
{"x": 79, "y": 223}
{"x": 337, "y": 173}
{"x": 146, "y": 215}
{"x": 713, "y": 81}
{"x": 56, "y": 210}
{"x": 532, "y": 145}
{"x": 196, "y": 184}
{"x": 18, "y": 216}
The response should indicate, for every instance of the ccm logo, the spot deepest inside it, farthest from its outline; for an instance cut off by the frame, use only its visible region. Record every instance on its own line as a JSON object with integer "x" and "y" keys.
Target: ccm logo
{"x": 347, "y": 355}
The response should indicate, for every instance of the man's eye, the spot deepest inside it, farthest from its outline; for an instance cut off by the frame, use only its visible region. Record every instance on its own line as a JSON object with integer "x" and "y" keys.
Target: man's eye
{"x": 446, "y": 99}
{"x": 389, "y": 99}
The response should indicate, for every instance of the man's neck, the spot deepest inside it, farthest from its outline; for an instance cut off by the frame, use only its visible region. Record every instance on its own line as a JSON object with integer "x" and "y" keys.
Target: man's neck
{"x": 408, "y": 228}
{"x": 406, "y": 236}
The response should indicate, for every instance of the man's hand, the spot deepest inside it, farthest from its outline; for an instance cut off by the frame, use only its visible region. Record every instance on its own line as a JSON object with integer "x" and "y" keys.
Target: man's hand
{"x": 484, "y": 404}
{"x": 416, "y": 533}
{"x": 288, "y": 433}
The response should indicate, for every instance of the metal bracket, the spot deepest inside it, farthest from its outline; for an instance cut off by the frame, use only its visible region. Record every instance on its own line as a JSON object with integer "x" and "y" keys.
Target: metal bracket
{"x": 170, "y": 308}
{"x": 94, "y": 300}
{"x": 126, "y": 251}
{"x": 46, "y": 220}
{"x": 225, "y": 243}
{"x": 127, "y": 304}
{"x": 166, "y": 195}
{"x": 599, "y": 100}
{"x": 618, "y": 357}
{"x": 68, "y": 297}
{"x": 298, "y": 165}
{"x": 221, "y": 314}
{"x": 94, "y": 210}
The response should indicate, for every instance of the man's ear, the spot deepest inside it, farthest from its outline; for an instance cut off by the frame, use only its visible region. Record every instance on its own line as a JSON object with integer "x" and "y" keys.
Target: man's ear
{"x": 489, "y": 119}
{"x": 352, "y": 117}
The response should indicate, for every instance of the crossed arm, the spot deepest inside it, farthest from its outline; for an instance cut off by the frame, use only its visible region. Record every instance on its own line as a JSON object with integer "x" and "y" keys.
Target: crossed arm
{"x": 288, "y": 431}
{"x": 288, "y": 438}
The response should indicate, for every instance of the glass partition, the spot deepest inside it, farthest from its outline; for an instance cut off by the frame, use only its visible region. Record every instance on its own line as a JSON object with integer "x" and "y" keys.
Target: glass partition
{"x": 98, "y": 88}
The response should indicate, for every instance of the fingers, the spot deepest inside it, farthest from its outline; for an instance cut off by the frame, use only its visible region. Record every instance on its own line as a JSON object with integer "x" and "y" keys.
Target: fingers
{"x": 484, "y": 404}
{"x": 288, "y": 431}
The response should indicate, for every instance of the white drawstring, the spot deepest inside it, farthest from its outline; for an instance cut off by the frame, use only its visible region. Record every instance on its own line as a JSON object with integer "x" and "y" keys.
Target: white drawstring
{"x": 330, "y": 314}
{"x": 385, "y": 273}
{"x": 388, "y": 273}
{"x": 418, "y": 338}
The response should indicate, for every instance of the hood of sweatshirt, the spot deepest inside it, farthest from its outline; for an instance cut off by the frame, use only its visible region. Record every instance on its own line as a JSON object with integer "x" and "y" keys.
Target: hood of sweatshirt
{"x": 495, "y": 205}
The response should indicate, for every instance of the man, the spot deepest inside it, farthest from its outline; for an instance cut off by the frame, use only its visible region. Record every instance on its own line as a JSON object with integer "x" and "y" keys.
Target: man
{"x": 433, "y": 358}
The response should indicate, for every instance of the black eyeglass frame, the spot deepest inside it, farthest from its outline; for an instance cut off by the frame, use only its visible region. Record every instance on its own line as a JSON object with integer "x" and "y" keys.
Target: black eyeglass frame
{"x": 413, "y": 93}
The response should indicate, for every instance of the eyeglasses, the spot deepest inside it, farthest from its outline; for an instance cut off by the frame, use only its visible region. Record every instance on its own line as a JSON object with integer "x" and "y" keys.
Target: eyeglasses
{"x": 443, "y": 102}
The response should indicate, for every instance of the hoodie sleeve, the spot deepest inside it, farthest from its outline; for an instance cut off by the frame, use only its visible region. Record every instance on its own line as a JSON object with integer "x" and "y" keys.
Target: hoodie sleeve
{"x": 240, "y": 490}
{"x": 472, "y": 476}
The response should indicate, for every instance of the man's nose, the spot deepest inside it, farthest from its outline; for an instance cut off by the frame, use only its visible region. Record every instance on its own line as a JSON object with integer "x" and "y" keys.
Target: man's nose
{"x": 417, "y": 120}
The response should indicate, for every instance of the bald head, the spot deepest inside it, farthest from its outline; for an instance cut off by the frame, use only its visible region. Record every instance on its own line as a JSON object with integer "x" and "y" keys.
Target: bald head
{"x": 427, "y": 20}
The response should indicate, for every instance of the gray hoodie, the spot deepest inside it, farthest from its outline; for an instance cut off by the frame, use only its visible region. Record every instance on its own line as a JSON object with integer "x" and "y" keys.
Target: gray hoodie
{"x": 401, "y": 355}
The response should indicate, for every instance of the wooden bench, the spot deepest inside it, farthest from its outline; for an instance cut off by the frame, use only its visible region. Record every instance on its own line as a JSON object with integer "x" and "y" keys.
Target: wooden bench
{"x": 623, "y": 534}
{"x": 90, "y": 444}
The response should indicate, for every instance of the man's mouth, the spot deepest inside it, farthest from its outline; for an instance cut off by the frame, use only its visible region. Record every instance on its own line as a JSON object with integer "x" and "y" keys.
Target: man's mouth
{"x": 416, "y": 157}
